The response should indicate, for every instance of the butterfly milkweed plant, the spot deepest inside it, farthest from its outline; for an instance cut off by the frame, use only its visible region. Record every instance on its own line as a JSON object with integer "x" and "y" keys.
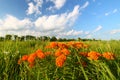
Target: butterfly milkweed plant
{"x": 71, "y": 60}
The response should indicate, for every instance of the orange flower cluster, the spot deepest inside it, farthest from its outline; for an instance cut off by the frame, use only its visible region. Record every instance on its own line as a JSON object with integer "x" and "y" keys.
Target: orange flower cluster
{"x": 62, "y": 45}
{"x": 61, "y": 50}
{"x": 108, "y": 55}
{"x": 92, "y": 55}
{"x": 60, "y": 60}
{"x": 57, "y": 45}
{"x": 31, "y": 57}
{"x": 61, "y": 56}
{"x": 77, "y": 45}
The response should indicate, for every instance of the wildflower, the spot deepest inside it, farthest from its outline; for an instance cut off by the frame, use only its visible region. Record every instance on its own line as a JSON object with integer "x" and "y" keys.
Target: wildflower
{"x": 24, "y": 58}
{"x": 53, "y": 44}
{"x": 60, "y": 60}
{"x": 85, "y": 54}
{"x": 94, "y": 55}
{"x": 31, "y": 58}
{"x": 62, "y": 45}
{"x": 66, "y": 51}
{"x": 78, "y": 45}
{"x": 71, "y": 43}
{"x": 58, "y": 53}
{"x": 47, "y": 53}
{"x": 108, "y": 55}
{"x": 40, "y": 54}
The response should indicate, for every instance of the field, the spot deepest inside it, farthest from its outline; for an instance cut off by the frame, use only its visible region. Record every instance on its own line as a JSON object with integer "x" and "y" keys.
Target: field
{"x": 44, "y": 60}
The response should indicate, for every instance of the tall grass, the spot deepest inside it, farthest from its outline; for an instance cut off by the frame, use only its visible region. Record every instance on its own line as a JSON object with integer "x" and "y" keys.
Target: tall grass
{"x": 45, "y": 69}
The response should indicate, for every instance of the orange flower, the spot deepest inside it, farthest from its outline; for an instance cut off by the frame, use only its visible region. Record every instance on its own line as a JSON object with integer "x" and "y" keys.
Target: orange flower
{"x": 66, "y": 51}
{"x": 47, "y": 53}
{"x": 60, "y": 60}
{"x": 94, "y": 55}
{"x": 108, "y": 55}
{"x": 40, "y": 54}
{"x": 31, "y": 58}
{"x": 53, "y": 44}
{"x": 62, "y": 45}
{"x": 24, "y": 58}
{"x": 31, "y": 65}
{"x": 58, "y": 53}
{"x": 78, "y": 45}
{"x": 71, "y": 43}
{"x": 85, "y": 54}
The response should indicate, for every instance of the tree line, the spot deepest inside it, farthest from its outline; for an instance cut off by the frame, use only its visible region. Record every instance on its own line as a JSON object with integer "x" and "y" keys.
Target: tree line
{"x": 10, "y": 37}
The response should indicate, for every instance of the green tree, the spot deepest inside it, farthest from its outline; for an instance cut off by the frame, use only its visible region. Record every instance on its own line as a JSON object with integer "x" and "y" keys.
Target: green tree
{"x": 53, "y": 38}
{"x": 8, "y": 37}
{"x": 30, "y": 37}
{"x": 1, "y": 38}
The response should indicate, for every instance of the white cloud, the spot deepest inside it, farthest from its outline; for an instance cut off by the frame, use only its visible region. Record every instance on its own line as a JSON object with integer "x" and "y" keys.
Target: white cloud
{"x": 45, "y": 25}
{"x": 87, "y": 32}
{"x": 70, "y": 33}
{"x": 73, "y": 32}
{"x": 57, "y": 22}
{"x": 34, "y": 8}
{"x": 98, "y": 28}
{"x": 111, "y": 12}
{"x": 31, "y": 8}
{"x": 115, "y": 10}
{"x": 48, "y": 25}
{"x": 85, "y": 5}
{"x": 106, "y": 14}
{"x": 12, "y": 23}
{"x": 57, "y": 4}
{"x": 115, "y": 31}
{"x": 89, "y": 36}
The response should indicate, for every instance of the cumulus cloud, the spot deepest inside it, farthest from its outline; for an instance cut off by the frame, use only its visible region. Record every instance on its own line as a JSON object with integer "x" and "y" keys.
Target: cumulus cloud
{"x": 44, "y": 25}
{"x": 34, "y": 8}
{"x": 58, "y": 25}
{"x": 12, "y": 23}
{"x": 57, "y": 4}
{"x": 57, "y": 22}
{"x": 115, "y": 31}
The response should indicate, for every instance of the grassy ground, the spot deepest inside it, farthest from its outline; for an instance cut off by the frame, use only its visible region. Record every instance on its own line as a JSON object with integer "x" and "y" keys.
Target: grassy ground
{"x": 75, "y": 67}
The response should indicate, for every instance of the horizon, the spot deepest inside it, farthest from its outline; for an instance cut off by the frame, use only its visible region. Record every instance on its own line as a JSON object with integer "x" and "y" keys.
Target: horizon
{"x": 88, "y": 19}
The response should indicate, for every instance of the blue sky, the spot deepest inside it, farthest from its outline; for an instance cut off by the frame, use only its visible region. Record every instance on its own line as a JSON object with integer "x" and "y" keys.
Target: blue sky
{"x": 99, "y": 19}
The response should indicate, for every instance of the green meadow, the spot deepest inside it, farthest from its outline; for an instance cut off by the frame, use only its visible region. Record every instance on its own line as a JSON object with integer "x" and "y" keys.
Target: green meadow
{"x": 46, "y": 69}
